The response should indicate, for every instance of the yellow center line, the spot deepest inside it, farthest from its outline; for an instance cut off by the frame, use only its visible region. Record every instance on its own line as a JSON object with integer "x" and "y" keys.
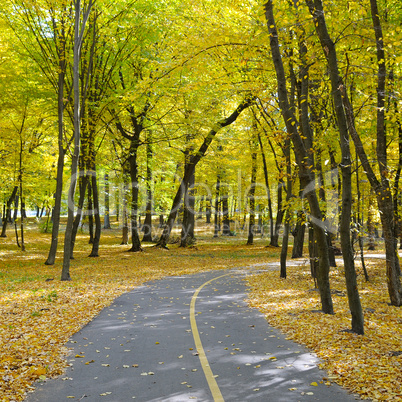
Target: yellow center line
{"x": 213, "y": 386}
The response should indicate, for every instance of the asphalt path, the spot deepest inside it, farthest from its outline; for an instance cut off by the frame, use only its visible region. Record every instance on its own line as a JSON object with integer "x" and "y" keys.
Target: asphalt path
{"x": 187, "y": 338}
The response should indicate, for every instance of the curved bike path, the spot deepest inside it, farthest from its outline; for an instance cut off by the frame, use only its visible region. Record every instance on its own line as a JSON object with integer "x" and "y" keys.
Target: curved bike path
{"x": 187, "y": 338}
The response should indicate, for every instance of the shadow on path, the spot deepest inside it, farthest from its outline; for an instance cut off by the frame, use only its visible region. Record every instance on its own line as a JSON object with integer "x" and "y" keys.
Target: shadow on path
{"x": 142, "y": 348}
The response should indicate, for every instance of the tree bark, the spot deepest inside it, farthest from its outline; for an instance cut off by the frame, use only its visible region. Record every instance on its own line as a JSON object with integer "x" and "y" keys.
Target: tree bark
{"x": 78, "y": 40}
{"x": 96, "y": 211}
{"x": 302, "y": 161}
{"x": 82, "y": 184}
{"x": 286, "y": 231}
{"x": 147, "y": 227}
{"x": 338, "y": 92}
{"x": 90, "y": 214}
{"x": 251, "y": 193}
{"x": 217, "y": 204}
{"x": 381, "y": 187}
{"x": 191, "y": 166}
{"x": 124, "y": 212}
{"x": 7, "y": 215}
{"x": 225, "y": 214}
{"x": 187, "y": 232}
{"x": 274, "y": 242}
{"x": 135, "y": 238}
{"x": 266, "y": 178}
{"x": 106, "y": 222}
{"x": 208, "y": 203}
{"x": 299, "y": 234}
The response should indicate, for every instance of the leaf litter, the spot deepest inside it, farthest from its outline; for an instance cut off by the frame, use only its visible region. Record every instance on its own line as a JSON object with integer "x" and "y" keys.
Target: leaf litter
{"x": 367, "y": 365}
{"x": 39, "y": 313}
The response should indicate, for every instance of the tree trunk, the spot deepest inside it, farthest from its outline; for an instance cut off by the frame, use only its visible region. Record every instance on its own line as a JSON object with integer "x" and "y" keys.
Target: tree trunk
{"x": 216, "y": 216}
{"x": 338, "y": 92}
{"x": 279, "y": 215}
{"x": 201, "y": 208}
{"x": 82, "y": 184}
{"x": 285, "y": 238}
{"x": 22, "y": 211}
{"x": 16, "y": 202}
{"x": 90, "y": 213}
{"x": 106, "y": 222}
{"x": 312, "y": 251}
{"x": 7, "y": 215}
{"x": 303, "y": 163}
{"x": 298, "y": 234}
{"x": 98, "y": 224}
{"x": 266, "y": 178}
{"x": 187, "y": 232}
{"x": 147, "y": 228}
{"x": 135, "y": 238}
{"x": 79, "y": 29}
{"x": 124, "y": 212}
{"x": 251, "y": 193}
{"x": 208, "y": 212}
{"x": 191, "y": 166}
{"x": 225, "y": 214}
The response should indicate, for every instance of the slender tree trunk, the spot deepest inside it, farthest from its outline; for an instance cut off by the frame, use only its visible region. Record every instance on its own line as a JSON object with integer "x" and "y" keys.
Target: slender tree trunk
{"x": 106, "y": 222}
{"x": 266, "y": 178}
{"x": 396, "y": 191}
{"x": 96, "y": 210}
{"x": 117, "y": 203}
{"x": 191, "y": 166}
{"x": 7, "y": 214}
{"x": 201, "y": 208}
{"x": 135, "y": 238}
{"x": 61, "y": 152}
{"x": 285, "y": 238}
{"x": 90, "y": 214}
{"x": 208, "y": 212}
{"x": 225, "y": 214}
{"x": 22, "y": 217}
{"x": 316, "y": 10}
{"x": 279, "y": 215}
{"x": 79, "y": 29}
{"x": 312, "y": 251}
{"x": 302, "y": 161}
{"x": 299, "y": 234}
{"x": 124, "y": 213}
{"x": 82, "y": 184}
{"x": 147, "y": 228}
{"x": 187, "y": 232}
{"x": 251, "y": 193}
{"x": 359, "y": 221}
{"x": 16, "y": 203}
{"x": 216, "y": 216}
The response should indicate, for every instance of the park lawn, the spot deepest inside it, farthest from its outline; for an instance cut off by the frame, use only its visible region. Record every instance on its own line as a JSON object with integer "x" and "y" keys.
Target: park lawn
{"x": 369, "y": 365}
{"x": 39, "y": 313}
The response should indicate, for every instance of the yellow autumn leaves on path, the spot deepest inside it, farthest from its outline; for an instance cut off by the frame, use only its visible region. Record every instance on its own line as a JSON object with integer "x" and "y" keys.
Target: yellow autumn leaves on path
{"x": 370, "y": 365}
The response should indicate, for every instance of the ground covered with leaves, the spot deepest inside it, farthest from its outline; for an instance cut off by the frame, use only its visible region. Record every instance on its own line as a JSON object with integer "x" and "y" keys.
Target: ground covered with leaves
{"x": 370, "y": 365}
{"x": 39, "y": 313}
